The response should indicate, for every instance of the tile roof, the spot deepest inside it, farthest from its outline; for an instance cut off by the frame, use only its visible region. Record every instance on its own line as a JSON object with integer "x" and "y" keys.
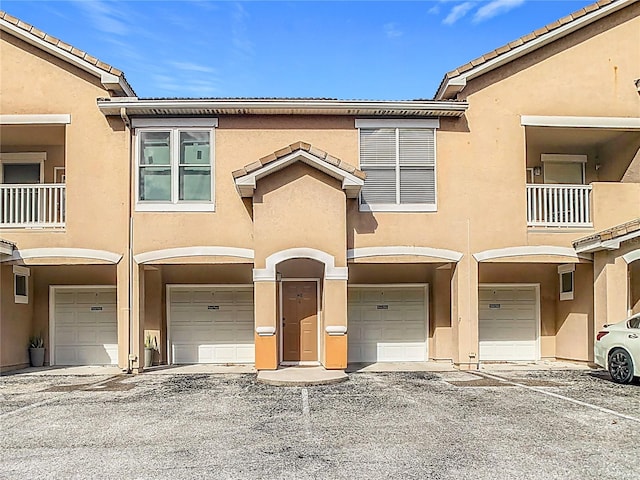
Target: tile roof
{"x": 307, "y": 147}
{"x": 610, "y": 234}
{"x": 63, "y": 45}
{"x": 525, "y": 39}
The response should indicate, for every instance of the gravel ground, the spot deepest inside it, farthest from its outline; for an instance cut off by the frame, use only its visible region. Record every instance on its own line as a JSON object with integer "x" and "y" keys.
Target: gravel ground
{"x": 376, "y": 425}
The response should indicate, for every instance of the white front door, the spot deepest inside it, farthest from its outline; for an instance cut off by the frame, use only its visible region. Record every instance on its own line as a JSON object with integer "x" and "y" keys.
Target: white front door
{"x": 211, "y": 324}
{"x": 387, "y": 324}
{"x": 508, "y": 323}
{"x": 85, "y": 326}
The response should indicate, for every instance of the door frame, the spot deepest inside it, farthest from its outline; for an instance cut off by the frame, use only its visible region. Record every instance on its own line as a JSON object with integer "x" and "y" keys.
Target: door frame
{"x": 280, "y": 329}
{"x": 536, "y": 287}
{"x": 52, "y": 312}
{"x": 170, "y": 286}
{"x": 427, "y": 305}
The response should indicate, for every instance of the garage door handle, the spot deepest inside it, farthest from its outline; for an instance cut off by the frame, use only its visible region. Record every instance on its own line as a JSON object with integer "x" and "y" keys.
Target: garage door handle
{"x": 633, "y": 335}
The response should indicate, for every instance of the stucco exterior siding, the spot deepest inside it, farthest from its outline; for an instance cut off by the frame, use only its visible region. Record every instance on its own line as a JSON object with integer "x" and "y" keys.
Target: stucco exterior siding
{"x": 301, "y": 222}
{"x": 94, "y": 148}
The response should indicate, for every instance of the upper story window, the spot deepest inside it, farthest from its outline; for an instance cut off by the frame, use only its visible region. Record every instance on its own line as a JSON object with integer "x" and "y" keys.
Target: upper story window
{"x": 175, "y": 164}
{"x": 399, "y": 158}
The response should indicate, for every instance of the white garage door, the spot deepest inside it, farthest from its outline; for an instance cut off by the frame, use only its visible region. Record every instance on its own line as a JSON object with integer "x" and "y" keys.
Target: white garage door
{"x": 508, "y": 323}
{"x": 387, "y": 324}
{"x": 85, "y": 326}
{"x": 211, "y": 324}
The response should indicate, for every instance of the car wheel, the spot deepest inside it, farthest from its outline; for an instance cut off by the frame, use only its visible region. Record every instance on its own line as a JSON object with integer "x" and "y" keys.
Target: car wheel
{"x": 620, "y": 366}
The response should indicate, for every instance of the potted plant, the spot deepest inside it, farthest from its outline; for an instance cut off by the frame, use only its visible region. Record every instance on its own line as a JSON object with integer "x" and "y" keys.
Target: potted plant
{"x": 36, "y": 351}
{"x": 150, "y": 345}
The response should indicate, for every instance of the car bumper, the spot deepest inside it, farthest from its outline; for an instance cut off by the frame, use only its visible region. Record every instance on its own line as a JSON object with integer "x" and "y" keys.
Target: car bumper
{"x": 600, "y": 355}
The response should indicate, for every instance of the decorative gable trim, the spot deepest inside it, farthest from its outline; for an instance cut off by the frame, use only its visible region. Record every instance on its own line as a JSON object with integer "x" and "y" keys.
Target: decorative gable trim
{"x": 247, "y": 177}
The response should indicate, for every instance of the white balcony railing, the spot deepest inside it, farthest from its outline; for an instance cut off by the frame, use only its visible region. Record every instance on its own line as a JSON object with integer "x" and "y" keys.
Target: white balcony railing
{"x": 29, "y": 206}
{"x": 558, "y": 205}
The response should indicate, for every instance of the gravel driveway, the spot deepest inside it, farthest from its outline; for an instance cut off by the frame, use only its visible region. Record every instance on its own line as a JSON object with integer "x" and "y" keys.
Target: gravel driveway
{"x": 377, "y": 425}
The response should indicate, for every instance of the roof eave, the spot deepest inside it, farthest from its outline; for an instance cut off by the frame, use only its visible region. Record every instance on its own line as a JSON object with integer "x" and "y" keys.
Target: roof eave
{"x": 608, "y": 240}
{"x": 134, "y": 106}
{"x": 6, "y": 248}
{"x": 452, "y": 84}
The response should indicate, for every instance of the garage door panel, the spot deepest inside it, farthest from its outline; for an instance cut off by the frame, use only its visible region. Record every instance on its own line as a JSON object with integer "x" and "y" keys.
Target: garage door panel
{"x": 508, "y": 323}
{"x": 86, "y": 328}
{"x": 212, "y": 325}
{"x": 183, "y": 353}
{"x": 387, "y": 324}
{"x": 64, "y": 298}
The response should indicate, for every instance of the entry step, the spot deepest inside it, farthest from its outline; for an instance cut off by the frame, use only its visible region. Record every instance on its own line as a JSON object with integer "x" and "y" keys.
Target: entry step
{"x": 300, "y": 376}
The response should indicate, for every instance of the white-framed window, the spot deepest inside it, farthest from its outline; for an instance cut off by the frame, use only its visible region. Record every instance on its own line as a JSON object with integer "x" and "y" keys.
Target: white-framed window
{"x": 22, "y": 167}
{"x": 566, "y": 275}
{"x": 21, "y": 284}
{"x": 175, "y": 164}
{"x": 399, "y": 158}
{"x": 564, "y": 169}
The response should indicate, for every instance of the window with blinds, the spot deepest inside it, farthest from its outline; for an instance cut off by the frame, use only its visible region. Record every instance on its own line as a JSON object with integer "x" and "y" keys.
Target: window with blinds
{"x": 400, "y": 166}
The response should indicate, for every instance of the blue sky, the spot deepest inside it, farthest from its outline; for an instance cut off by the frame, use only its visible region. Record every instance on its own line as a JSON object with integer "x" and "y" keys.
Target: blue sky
{"x": 350, "y": 50}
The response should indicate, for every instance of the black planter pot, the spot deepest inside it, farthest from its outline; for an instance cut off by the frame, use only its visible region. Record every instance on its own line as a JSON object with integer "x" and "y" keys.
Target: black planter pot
{"x": 36, "y": 357}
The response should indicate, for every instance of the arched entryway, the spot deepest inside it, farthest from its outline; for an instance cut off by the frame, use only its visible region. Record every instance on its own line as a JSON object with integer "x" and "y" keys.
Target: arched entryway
{"x": 300, "y": 298}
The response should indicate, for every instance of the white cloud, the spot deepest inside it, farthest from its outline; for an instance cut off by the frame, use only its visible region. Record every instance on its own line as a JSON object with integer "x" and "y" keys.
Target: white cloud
{"x": 105, "y": 17}
{"x": 457, "y": 13}
{"x": 434, "y": 10}
{"x": 239, "y": 36}
{"x": 171, "y": 85}
{"x": 191, "y": 67}
{"x": 391, "y": 30}
{"x": 494, "y": 8}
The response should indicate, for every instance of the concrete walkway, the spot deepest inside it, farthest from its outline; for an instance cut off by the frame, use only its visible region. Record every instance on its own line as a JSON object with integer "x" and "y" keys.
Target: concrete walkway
{"x": 312, "y": 375}
{"x": 301, "y": 376}
{"x": 59, "y": 371}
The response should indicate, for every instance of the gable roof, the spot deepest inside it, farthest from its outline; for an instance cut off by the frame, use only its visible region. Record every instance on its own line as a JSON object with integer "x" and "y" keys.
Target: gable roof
{"x": 352, "y": 178}
{"x": 609, "y": 239}
{"x": 111, "y": 78}
{"x": 455, "y": 80}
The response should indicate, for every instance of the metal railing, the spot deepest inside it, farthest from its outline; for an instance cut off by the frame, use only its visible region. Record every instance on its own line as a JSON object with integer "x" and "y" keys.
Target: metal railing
{"x": 27, "y": 206}
{"x": 558, "y": 205}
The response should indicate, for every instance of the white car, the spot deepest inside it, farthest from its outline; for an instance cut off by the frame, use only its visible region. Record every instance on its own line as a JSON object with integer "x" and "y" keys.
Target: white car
{"x": 617, "y": 349}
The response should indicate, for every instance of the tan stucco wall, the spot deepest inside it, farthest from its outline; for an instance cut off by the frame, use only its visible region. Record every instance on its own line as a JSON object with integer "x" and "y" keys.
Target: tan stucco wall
{"x": 575, "y": 320}
{"x": 207, "y": 274}
{"x": 614, "y": 204}
{"x": 481, "y": 161}
{"x": 154, "y": 313}
{"x": 610, "y": 278}
{"x": 441, "y": 345}
{"x": 625, "y": 146}
{"x": 634, "y": 270}
{"x": 299, "y": 207}
{"x": 240, "y": 141}
{"x": 95, "y": 149}
{"x": 15, "y": 323}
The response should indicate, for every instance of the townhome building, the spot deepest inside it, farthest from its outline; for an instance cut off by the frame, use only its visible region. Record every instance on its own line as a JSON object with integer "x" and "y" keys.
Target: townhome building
{"x": 499, "y": 221}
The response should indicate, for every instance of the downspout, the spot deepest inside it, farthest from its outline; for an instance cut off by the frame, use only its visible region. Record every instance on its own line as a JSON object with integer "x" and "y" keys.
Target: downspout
{"x": 127, "y": 123}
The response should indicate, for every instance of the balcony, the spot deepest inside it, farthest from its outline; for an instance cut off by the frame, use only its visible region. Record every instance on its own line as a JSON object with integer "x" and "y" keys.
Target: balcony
{"x": 32, "y": 205}
{"x": 554, "y": 205}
